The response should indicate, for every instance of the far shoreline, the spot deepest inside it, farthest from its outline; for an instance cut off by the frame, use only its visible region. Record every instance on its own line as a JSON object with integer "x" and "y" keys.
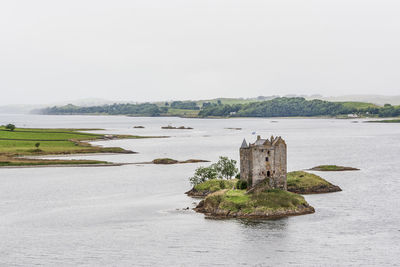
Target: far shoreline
{"x": 216, "y": 117}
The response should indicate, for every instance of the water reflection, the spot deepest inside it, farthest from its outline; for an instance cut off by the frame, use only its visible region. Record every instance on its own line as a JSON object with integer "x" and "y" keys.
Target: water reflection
{"x": 270, "y": 224}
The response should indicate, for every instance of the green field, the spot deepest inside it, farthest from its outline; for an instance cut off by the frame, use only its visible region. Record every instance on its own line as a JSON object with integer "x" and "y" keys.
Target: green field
{"x": 228, "y": 101}
{"x": 189, "y": 113}
{"x": 47, "y": 134}
{"x": 28, "y": 142}
{"x": 358, "y": 105}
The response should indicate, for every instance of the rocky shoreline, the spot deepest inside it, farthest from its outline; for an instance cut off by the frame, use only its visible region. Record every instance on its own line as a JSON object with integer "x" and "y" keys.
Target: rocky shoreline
{"x": 198, "y": 193}
{"x": 265, "y": 204}
{"x": 321, "y": 189}
{"x": 257, "y": 214}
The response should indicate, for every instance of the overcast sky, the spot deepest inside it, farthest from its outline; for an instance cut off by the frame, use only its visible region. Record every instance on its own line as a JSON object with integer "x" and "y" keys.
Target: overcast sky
{"x": 191, "y": 49}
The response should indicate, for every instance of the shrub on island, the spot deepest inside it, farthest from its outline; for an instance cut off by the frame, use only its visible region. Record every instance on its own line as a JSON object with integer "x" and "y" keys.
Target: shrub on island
{"x": 213, "y": 178}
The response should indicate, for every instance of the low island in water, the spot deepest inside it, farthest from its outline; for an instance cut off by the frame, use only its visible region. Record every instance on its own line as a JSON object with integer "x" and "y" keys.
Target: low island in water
{"x": 332, "y": 168}
{"x": 272, "y": 203}
{"x": 263, "y": 189}
{"x": 230, "y": 198}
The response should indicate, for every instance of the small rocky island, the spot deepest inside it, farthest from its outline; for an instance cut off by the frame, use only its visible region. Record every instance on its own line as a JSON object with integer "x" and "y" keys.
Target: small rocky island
{"x": 301, "y": 182}
{"x": 261, "y": 190}
{"x": 332, "y": 168}
{"x": 266, "y": 203}
{"x": 167, "y": 161}
{"x": 169, "y": 127}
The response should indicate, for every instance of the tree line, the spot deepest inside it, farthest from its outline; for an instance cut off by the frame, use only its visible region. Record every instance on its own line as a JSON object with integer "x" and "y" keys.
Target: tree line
{"x": 296, "y": 106}
{"x": 277, "y": 107}
{"x": 146, "y": 109}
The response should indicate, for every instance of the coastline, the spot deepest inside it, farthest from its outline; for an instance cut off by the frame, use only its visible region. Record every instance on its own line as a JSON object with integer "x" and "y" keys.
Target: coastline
{"x": 64, "y": 142}
{"x": 222, "y": 117}
{"x": 223, "y": 214}
{"x": 65, "y": 165}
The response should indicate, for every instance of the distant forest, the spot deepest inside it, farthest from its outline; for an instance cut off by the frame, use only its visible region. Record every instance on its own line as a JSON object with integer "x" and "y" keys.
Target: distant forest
{"x": 146, "y": 109}
{"x": 277, "y": 107}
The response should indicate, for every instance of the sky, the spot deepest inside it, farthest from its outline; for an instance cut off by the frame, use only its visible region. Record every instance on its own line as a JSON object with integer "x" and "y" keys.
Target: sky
{"x": 151, "y": 50}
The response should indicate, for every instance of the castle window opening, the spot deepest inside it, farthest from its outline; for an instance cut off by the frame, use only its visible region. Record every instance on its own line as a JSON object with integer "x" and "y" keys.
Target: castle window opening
{"x": 268, "y": 174}
{"x": 266, "y": 159}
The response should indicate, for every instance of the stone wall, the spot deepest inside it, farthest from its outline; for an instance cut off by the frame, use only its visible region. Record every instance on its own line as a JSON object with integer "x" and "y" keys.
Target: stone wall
{"x": 246, "y": 165}
{"x": 267, "y": 161}
{"x": 280, "y": 166}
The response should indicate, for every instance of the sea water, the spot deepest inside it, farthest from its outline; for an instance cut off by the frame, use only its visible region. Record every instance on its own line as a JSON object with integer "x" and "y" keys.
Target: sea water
{"x": 136, "y": 214}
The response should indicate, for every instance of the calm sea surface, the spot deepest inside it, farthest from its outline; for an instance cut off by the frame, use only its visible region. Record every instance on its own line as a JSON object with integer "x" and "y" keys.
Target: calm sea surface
{"x": 132, "y": 214}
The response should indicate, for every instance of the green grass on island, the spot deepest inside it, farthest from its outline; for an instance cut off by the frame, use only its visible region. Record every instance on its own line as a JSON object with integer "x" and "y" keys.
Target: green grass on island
{"x": 167, "y": 161}
{"x": 214, "y": 185}
{"x": 299, "y": 182}
{"x": 327, "y": 168}
{"x": 211, "y": 186}
{"x": 36, "y": 142}
{"x": 307, "y": 183}
{"x": 268, "y": 203}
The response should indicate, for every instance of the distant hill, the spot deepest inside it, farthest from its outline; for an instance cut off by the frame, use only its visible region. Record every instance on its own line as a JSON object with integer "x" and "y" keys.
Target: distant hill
{"x": 352, "y": 101}
{"x": 375, "y": 99}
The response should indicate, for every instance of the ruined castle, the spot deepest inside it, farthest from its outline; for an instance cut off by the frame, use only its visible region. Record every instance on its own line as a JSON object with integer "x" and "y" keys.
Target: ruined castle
{"x": 265, "y": 159}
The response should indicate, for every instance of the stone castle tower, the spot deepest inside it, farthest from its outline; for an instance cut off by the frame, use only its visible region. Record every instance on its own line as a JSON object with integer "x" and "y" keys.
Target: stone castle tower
{"x": 265, "y": 159}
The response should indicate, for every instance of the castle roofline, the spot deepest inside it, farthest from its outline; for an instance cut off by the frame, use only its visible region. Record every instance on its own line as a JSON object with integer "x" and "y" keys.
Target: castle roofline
{"x": 244, "y": 144}
{"x": 267, "y": 142}
{"x": 261, "y": 142}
